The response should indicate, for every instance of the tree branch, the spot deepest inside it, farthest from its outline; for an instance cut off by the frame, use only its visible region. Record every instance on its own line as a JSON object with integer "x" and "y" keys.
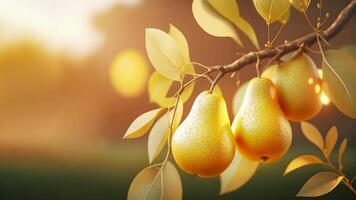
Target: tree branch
{"x": 308, "y": 40}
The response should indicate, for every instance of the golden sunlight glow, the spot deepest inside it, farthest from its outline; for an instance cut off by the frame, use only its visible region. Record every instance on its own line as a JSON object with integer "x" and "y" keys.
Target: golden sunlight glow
{"x": 129, "y": 73}
{"x": 324, "y": 99}
{"x": 61, "y": 25}
{"x": 320, "y": 72}
{"x": 317, "y": 88}
{"x": 310, "y": 81}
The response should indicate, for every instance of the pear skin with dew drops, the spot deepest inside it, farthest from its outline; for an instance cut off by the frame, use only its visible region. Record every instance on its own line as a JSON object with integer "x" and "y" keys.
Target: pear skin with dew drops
{"x": 261, "y": 130}
{"x": 298, "y": 86}
{"x": 203, "y": 144}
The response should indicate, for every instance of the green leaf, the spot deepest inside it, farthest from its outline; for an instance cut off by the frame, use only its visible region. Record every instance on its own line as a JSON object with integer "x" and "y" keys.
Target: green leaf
{"x": 158, "y": 88}
{"x": 230, "y": 10}
{"x": 339, "y": 72}
{"x": 341, "y": 153}
{"x": 164, "y": 54}
{"x": 143, "y": 123}
{"x": 156, "y": 182}
{"x": 302, "y": 161}
{"x": 237, "y": 174}
{"x": 212, "y": 22}
{"x": 271, "y": 10}
{"x": 330, "y": 140}
{"x": 320, "y": 184}
{"x": 312, "y": 134}
{"x": 160, "y": 131}
{"x": 300, "y": 5}
{"x": 182, "y": 43}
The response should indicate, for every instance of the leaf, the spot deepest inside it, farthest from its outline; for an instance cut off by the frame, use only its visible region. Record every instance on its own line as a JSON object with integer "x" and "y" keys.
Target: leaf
{"x": 330, "y": 140}
{"x": 238, "y": 97}
{"x": 143, "y": 123}
{"x": 339, "y": 72}
{"x": 341, "y": 152}
{"x": 155, "y": 182}
{"x": 285, "y": 18}
{"x": 182, "y": 43}
{"x": 160, "y": 131}
{"x": 320, "y": 184}
{"x": 312, "y": 134}
{"x": 271, "y": 10}
{"x": 164, "y": 54}
{"x": 212, "y": 22}
{"x": 300, "y": 5}
{"x": 302, "y": 161}
{"x": 158, "y": 88}
{"x": 237, "y": 174}
{"x": 350, "y": 49}
{"x": 230, "y": 10}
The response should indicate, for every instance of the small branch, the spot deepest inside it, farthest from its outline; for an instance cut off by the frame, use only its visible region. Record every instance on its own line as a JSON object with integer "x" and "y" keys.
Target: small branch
{"x": 308, "y": 40}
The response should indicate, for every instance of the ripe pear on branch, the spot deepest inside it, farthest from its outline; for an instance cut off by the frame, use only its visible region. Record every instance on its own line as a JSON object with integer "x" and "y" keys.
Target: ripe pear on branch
{"x": 203, "y": 144}
{"x": 261, "y": 129}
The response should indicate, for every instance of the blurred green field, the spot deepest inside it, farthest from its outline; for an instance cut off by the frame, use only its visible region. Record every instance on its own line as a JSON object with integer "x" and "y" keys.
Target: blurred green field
{"x": 34, "y": 182}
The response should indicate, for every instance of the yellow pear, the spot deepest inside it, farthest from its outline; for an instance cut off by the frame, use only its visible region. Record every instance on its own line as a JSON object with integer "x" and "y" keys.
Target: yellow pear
{"x": 298, "y": 86}
{"x": 261, "y": 130}
{"x": 203, "y": 144}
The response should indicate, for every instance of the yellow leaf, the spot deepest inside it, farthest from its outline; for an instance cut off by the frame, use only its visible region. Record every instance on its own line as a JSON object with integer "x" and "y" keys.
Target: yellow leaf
{"x": 156, "y": 182}
{"x": 158, "y": 88}
{"x": 237, "y": 174}
{"x": 341, "y": 152}
{"x": 160, "y": 131}
{"x": 129, "y": 72}
{"x": 271, "y": 10}
{"x": 330, "y": 140}
{"x": 301, "y": 5}
{"x": 182, "y": 43}
{"x": 212, "y": 22}
{"x": 285, "y": 18}
{"x": 143, "y": 123}
{"x": 164, "y": 54}
{"x": 320, "y": 184}
{"x": 339, "y": 72}
{"x": 301, "y": 161}
{"x": 230, "y": 10}
{"x": 312, "y": 134}
{"x": 238, "y": 97}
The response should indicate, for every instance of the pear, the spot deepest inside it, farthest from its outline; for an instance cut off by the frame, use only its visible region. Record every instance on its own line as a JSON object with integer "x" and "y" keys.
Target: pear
{"x": 203, "y": 144}
{"x": 298, "y": 86}
{"x": 261, "y": 130}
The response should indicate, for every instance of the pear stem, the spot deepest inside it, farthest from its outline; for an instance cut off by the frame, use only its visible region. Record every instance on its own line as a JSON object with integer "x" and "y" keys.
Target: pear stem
{"x": 216, "y": 80}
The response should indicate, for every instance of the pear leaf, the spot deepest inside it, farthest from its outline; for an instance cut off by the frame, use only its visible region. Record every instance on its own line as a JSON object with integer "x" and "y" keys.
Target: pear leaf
{"x": 350, "y": 49}
{"x": 300, "y": 5}
{"x": 230, "y": 10}
{"x": 164, "y": 54}
{"x": 212, "y": 22}
{"x": 160, "y": 131}
{"x": 339, "y": 72}
{"x": 330, "y": 140}
{"x": 271, "y": 10}
{"x": 341, "y": 152}
{"x": 285, "y": 18}
{"x": 156, "y": 182}
{"x": 182, "y": 43}
{"x": 143, "y": 123}
{"x": 237, "y": 174}
{"x": 302, "y": 161}
{"x": 158, "y": 88}
{"x": 312, "y": 134}
{"x": 320, "y": 184}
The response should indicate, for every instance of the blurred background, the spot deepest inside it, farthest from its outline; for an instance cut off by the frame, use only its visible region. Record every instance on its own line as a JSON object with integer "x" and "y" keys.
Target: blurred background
{"x": 65, "y": 102}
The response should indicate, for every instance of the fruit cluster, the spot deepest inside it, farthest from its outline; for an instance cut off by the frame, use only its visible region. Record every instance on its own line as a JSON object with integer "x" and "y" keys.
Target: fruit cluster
{"x": 204, "y": 143}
